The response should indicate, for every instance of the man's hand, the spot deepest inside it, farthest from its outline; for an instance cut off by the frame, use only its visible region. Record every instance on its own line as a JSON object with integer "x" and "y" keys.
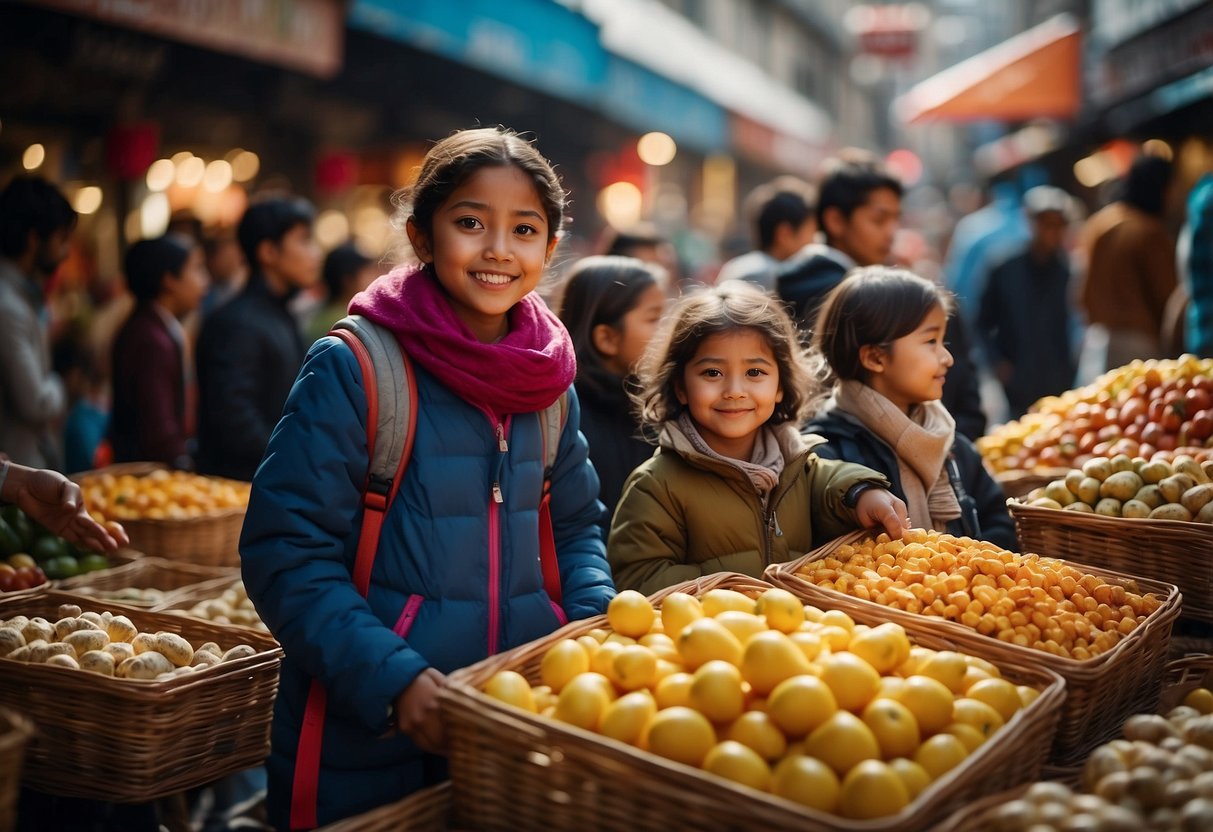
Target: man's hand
{"x": 55, "y": 501}
{"x": 878, "y": 507}
{"x": 417, "y": 711}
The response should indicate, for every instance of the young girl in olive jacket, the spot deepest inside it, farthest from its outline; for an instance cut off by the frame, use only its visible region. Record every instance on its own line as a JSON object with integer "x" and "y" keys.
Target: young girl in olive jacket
{"x": 733, "y": 486}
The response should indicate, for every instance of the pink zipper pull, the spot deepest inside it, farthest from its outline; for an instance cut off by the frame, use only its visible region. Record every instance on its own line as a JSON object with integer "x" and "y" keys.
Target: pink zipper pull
{"x": 501, "y": 443}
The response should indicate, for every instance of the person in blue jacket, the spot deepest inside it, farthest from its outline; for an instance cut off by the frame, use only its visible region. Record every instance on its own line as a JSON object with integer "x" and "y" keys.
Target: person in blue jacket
{"x": 879, "y": 343}
{"x": 457, "y": 576}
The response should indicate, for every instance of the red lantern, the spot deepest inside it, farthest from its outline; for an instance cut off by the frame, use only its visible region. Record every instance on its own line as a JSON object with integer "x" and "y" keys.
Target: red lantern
{"x": 131, "y": 148}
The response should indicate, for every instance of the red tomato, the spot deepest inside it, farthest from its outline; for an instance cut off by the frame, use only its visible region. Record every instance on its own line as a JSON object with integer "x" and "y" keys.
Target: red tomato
{"x": 1155, "y": 410}
{"x": 1088, "y": 441}
{"x": 1133, "y": 431}
{"x": 1172, "y": 418}
{"x": 1151, "y": 432}
{"x": 1197, "y": 399}
{"x": 1147, "y": 450}
{"x": 8, "y": 581}
{"x": 1202, "y": 425}
{"x": 1172, "y": 396}
{"x": 1131, "y": 410}
{"x": 1167, "y": 442}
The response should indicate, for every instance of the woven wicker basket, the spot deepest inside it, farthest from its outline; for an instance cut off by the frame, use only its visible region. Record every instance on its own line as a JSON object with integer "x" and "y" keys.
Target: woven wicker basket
{"x": 184, "y": 600}
{"x": 1184, "y": 676}
{"x": 1019, "y": 483}
{"x": 515, "y": 770}
{"x": 212, "y": 539}
{"x": 1170, "y": 551}
{"x": 428, "y": 810}
{"x": 1100, "y": 692}
{"x": 15, "y": 733}
{"x": 125, "y": 741}
{"x": 976, "y": 816}
{"x": 147, "y": 573}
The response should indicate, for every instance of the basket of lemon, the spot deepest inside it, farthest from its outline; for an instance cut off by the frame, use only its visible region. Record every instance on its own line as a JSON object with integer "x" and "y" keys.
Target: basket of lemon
{"x": 1105, "y": 633}
{"x": 726, "y": 703}
{"x": 172, "y": 514}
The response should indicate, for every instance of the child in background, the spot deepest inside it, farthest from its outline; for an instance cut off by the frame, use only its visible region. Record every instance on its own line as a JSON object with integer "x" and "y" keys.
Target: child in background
{"x": 347, "y": 271}
{"x": 733, "y": 486}
{"x": 881, "y": 335}
{"x": 153, "y": 414}
{"x": 611, "y": 307}
{"x": 457, "y": 576}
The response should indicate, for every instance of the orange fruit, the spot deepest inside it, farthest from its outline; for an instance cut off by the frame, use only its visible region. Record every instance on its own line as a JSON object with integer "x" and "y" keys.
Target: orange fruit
{"x": 842, "y": 742}
{"x": 781, "y": 609}
{"x": 929, "y": 700}
{"x": 872, "y": 789}
{"x": 769, "y": 658}
{"x": 851, "y": 679}
{"x": 629, "y": 613}
{"x": 800, "y": 704}
{"x": 738, "y": 763}
{"x": 894, "y": 727}
{"x": 807, "y": 781}
{"x": 681, "y": 734}
{"x": 705, "y": 640}
{"x": 940, "y": 754}
{"x": 627, "y": 717}
{"x": 716, "y": 692}
{"x": 758, "y": 731}
{"x": 1201, "y": 699}
{"x": 999, "y": 694}
{"x": 564, "y": 660}
{"x": 512, "y": 688}
{"x": 884, "y": 647}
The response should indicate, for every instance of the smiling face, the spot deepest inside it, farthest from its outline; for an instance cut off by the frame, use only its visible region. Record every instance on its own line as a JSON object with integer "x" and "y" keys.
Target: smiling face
{"x": 489, "y": 245}
{"x": 912, "y": 369}
{"x": 731, "y": 386}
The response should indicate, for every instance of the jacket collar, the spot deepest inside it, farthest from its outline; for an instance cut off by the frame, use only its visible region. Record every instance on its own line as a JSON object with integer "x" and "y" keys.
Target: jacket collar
{"x": 795, "y": 446}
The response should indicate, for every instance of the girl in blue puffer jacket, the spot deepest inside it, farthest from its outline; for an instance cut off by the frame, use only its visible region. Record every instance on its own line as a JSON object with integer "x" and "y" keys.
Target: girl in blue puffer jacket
{"x": 457, "y": 575}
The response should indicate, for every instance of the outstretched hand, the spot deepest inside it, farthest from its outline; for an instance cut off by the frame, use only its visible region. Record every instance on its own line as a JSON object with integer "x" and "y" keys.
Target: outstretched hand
{"x": 417, "y": 711}
{"x": 878, "y": 507}
{"x": 55, "y": 501}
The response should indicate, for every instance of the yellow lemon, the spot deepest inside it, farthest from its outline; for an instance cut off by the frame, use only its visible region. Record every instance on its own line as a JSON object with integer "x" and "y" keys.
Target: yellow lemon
{"x": 716, "y": 601}
{"x": 836, "y": 638}
{"x": 599, "y": 634}
{"x": 978, "y": 714}
{"x": 603, "y": 661}
{"x": 872, "y": 789}
{"x": 852, "y": 680}
{"x": 543, "y": 697}
{"x": 990, "y": 669}
{"x": 627, "y": 717}
{"x": 812, "y": 614}
{"x": 743, "y": 625}
{"x": 884, "y": 647}
{"x": 634, "y": 667}
{"x": 681, "y": 734}
{"x": 582, "y": 701}
{"x": 782, "y": 610}
{"x": 917, "y": 656}
{"x": 659, "y": 643}
{"x": 810, "y": 644}
{"x": 706, "y": 639}
{"x": 629, "y": 613}
{"x": 619, "y": 638}
{"x": 894, "y": 727}
{"x": 564, "y": 660}
{"x": 739, "y": 763}
{"x": 769, "y": 658}
{"x": 967, "y": 734}
{"x": 940, "y": 754}
{"x": 999, "y": 694}
{"x": 674, "y": 689}
{"x": 1027, "y": 695}
{"x": 972, "y": 676}
{"x": 679, "y": 610}
{"x": 800, "y": 704}
{"x": 716, "y": 691}
{"x": 948, "y": 667}
{"x": 590, "y": 645}
{"x": 511, "y": 688}
{"x": 890, "y": 687}
{"x": 842, "y": 742}
{"x": 758, "y": 731}
{"x": 1201, "y": 699}
{"x": 929, "y": 700}
{"x": 807, "y": 781}
{"x": 837, "y": 618}
{"x": 913, "y": 776}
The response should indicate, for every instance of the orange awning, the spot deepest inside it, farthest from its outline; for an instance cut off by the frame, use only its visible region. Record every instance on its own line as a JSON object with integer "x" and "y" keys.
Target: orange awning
{"x": 1036, "y": 74}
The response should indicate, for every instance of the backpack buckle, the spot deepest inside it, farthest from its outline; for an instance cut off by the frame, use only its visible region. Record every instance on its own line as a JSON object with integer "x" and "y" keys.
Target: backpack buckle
{"x": 377, "y": 490}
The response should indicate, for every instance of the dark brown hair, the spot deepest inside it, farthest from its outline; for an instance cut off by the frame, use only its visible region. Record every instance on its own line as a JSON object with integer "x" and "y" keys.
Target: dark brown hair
{"x": 733, "y": 306}
{"x": 458, "y": 156}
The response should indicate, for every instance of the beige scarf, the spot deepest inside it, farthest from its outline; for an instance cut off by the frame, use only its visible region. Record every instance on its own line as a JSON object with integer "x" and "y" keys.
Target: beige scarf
{"x": 921, "y": 442}
{"x": 764, "y": 466}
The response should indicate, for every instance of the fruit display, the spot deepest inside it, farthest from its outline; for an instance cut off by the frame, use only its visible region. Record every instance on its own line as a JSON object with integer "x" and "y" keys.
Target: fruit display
{"x": 1181, "y": 489}
{"x": 160, "y": 495}
{"x": 143, "y": 596}
{"x": 109, "y": 645}
{"x": 774, "y": 695}
{"x": 30, "y": 554}
{"x": 1028, "y": 600}
{"x": 231, "y": 606}
{"x": 1159, "y": 777}
{"x": 1150, "y": 409}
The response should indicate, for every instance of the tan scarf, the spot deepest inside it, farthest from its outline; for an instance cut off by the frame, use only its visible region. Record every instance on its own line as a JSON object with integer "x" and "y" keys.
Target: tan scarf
{"x": 763, "y": 468}
{"x": 921, "y": 442}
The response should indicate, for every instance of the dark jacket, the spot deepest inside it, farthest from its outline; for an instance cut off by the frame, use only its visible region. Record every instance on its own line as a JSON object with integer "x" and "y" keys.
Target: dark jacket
{"x": 148, "y": 421}
{"x": 248, "y": 354}
{"x": 1025, "y": 322}
{"x": 849, "y": 440}
{"x": 803, "y": 283}
{"x": 616, "y": 448}
{"x": 461, "y": 567}
{"x": 962, "y": 387}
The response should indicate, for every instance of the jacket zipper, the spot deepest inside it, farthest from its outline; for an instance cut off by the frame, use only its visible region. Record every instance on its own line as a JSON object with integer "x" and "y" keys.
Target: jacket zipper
{"x": 772, "y": 523}
{"x": 408, "y": 616}
{"x": 496, "y": 499}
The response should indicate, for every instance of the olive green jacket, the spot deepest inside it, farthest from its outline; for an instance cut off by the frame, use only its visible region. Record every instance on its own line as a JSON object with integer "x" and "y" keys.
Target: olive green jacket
{"x": 684, "y": 514}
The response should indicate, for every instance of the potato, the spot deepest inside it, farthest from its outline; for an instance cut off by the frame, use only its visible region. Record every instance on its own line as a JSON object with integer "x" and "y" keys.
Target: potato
{"x": 1122, "y": 485}
{"x": 68, "y": 611}
{"x": 1194, "y": 499}
{"x": 1045, "y": 502}
{"x": 10, "y": 640}
{"x": 1207, "y": 467}
{"x": 66, "y": 626}
{"x": 1135, "y": 508}
{"x": 1058, "y": 492}
{"x": 1174, "y": 486}
{"x": 1184, "y": 464}
{"x": 1121, "y": 462}
{"x": 94, "y": 617}
{"x": 98, "y": 661}
{"x": 17, "y": 622}
{"x": 174, "y": 648}
{"x": 147, "y": 665}
{"x": 82, "y": 641}
{"x": 204, "y": 658}
{"x": 211, "y": 647}
{"x": 63, "y": 660}
{"x": 240, "y": 651}
{"x": 120, "y": 628}
{"x": 22, "y": 654}
{"x": 1151, "y": 496}
{"x": 1171, "y": 511}
{"x": 43, "y": 652}
{"x": 38, "y": 628}
{"x": 1082, "y": 508}
{"x": 1154, "y": 472}
{"x": 120, "y": 650}
{"x": 1073, "y": 478}
{"x": 144, "y": 642}
{"x": 1108, "y": 506}
{"x": 1100, "y": 468}
{"x": 1088, "y": 490}
{"x": 1205, "y": 515}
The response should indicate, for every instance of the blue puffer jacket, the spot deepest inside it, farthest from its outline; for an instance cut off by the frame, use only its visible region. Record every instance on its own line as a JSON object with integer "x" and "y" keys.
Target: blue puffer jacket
{"x": 473, "y": 563}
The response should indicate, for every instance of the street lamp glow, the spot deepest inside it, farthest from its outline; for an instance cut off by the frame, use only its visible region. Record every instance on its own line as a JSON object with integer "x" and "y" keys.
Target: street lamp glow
{"x": 245, "y": 165}
{"x": 218, "y": 176}
{"x": 154, "y": 215}
{"x": 88, "y": 200}
{"x": 620, "y": 204}
{"x": 160, "y": 175}
{"x": 332, "y": 228}
{"x": 33, "y": 157}
{"x": 656, "y": 149}
{"x": 190, "y": 172}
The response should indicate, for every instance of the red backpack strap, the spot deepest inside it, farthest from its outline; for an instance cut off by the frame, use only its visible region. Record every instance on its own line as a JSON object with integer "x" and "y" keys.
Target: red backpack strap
{"x": 552, "y": 420}
{"x": 393, "y": 382}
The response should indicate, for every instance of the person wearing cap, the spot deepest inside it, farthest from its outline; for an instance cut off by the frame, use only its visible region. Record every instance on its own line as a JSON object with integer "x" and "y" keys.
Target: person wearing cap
{"x": 1025, "y": 317}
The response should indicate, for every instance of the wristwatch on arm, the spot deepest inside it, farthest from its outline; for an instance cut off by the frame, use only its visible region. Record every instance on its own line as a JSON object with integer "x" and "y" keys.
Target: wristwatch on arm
{"x": 851, "y": 498}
